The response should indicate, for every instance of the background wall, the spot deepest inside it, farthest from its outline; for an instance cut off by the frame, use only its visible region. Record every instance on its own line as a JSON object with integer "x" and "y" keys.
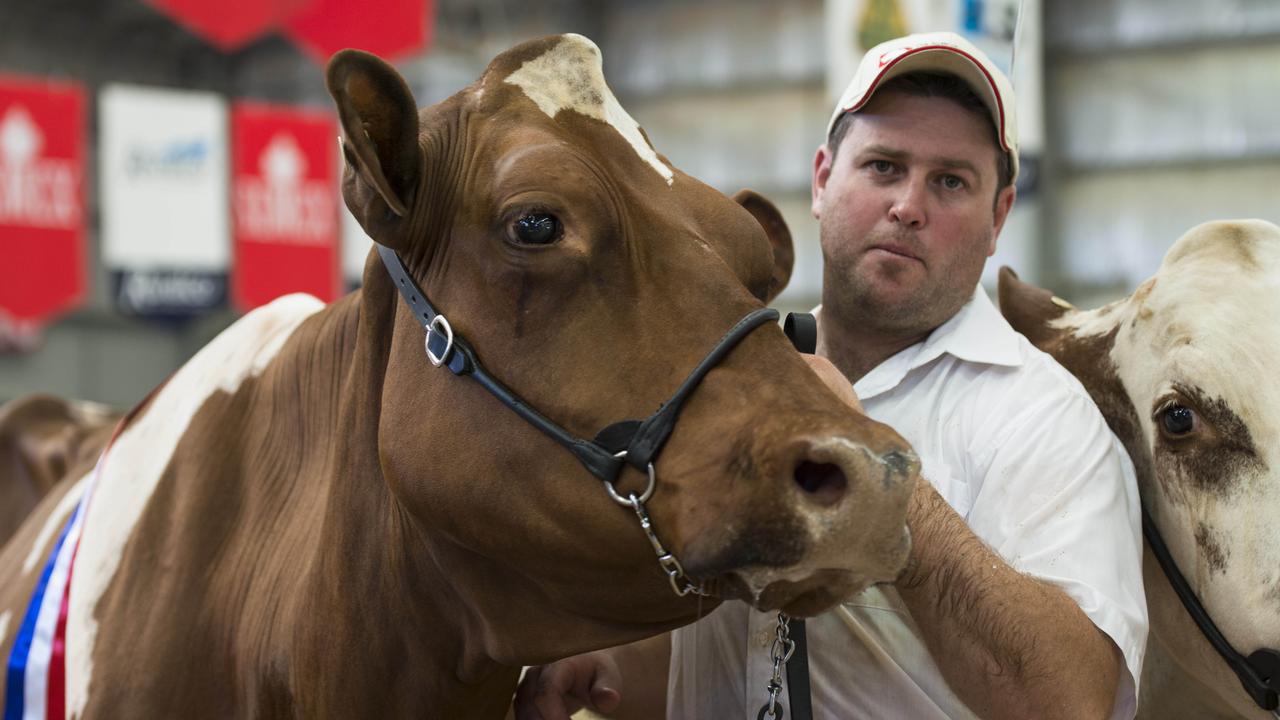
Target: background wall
{"x": 1157, "y": 115}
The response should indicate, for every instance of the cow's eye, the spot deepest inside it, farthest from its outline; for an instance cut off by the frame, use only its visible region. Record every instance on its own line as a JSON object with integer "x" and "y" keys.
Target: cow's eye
{"x": 1177, "y": 420}
{"x": 536, "y": 228}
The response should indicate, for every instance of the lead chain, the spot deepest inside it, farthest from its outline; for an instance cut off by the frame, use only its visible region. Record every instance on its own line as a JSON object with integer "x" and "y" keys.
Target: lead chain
{"x": 783, "y": 647}
{"x": 680, "y": 582}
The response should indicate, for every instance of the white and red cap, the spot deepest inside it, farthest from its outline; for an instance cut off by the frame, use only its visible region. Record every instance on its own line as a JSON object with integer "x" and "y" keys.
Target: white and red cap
{"x": 937, "y": 52}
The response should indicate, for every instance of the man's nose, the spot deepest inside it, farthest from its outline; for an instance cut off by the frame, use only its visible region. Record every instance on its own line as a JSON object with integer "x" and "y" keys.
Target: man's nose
{"x": 908, "y": 207}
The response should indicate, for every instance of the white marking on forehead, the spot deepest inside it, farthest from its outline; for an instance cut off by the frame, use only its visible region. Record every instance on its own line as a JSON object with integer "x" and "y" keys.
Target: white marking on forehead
{"x": 570, "y": 77}
{"x": 4, "y": 625}
{"x": 53, "y": 524}
{"x": 140, "y": 454}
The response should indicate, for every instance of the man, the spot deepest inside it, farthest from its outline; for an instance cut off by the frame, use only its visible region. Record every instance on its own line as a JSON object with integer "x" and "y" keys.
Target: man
{"x": 1023, "y": 595}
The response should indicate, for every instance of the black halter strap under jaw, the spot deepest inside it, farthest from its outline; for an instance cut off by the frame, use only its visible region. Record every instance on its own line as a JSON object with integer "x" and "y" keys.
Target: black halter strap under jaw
{"x": 633, "y": 442}
{"x": 1260, "y": 672}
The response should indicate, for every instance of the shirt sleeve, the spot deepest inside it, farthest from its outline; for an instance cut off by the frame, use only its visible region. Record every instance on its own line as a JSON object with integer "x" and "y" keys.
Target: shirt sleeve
{"x": 1058, "y": 500}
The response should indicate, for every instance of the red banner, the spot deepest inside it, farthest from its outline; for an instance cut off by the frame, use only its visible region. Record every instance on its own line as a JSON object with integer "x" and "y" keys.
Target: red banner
{"x": 285, "y": 204}
{"x": 230, "y": 24}
{"x": 387, "y": 28}
{"x": 42, "y": 262}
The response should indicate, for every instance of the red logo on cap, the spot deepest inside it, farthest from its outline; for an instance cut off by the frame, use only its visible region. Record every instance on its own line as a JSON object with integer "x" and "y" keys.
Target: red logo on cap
{"x": 886, "y": 58}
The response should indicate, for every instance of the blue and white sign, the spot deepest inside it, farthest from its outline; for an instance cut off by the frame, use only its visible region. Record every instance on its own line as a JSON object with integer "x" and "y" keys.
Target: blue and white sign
{"x": 165, "y": 209}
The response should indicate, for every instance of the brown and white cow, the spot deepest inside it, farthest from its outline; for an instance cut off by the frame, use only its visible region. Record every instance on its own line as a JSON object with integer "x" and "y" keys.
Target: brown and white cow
{"x": 41, "y": 438}
{"x": 309, "y": 520}
{"x": 1184, "y": 370}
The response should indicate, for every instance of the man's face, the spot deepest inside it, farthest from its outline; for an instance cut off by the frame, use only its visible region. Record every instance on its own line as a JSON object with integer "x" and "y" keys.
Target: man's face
{"x": 906, "y": 214}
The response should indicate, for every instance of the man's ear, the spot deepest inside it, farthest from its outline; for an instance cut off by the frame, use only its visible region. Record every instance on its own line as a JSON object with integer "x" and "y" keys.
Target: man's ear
{"x": 379, "y": 139}
{"x": 1004, "y": 203}
{"x": 822, "y": 160}
{"x": 775, "y": 228}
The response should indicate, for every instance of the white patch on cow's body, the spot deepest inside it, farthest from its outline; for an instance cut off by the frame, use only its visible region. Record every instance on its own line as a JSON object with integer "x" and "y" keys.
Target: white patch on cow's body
{"x": 570, "y": 77}
{"x": 139, "y": 456}
{"x": 4, "y": 625}
{"x": 52, "y": 525}
{"x": 1092, "y": 322}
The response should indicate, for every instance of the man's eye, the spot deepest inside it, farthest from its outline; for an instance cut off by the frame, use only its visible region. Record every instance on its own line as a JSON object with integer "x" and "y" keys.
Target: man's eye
{"x": 882, "y": 167}
{"x": 536, "y": 228}
{"x": 951, "y": 182}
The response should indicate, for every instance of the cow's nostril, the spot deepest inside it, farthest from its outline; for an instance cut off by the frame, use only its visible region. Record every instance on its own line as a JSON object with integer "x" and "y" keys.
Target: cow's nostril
{"x": 823, "y": 483}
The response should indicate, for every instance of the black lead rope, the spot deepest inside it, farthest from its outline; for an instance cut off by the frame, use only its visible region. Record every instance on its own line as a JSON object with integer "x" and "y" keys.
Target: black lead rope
{"x": 802, "y": 330}
{"x": 1260, "y": 672}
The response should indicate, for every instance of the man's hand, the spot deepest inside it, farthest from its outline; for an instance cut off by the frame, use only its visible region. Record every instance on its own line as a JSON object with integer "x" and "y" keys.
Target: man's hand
{"x": 556, "y": 691}
{"x": 834, "y": 379}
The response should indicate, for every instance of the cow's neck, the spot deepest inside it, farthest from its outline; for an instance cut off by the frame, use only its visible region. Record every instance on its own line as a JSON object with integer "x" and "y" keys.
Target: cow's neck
{"x": 1170, "y": 688}
{"x": 400, "y": 621}
{"x": 364, "y": 631}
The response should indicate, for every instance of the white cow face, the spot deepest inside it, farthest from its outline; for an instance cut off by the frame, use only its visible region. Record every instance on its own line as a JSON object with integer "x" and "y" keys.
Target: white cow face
{"x": 1187, "y": 371}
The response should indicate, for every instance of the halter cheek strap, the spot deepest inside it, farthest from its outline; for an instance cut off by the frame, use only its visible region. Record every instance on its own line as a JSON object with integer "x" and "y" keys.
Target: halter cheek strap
{"x": 633, "y": 442}
{"x": 1259, "y": 673}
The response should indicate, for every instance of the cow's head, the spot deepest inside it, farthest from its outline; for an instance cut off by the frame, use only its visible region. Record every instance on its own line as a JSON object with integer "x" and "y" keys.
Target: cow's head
{"x": 1184, "y": 371}
{"x": 591, "y": 277}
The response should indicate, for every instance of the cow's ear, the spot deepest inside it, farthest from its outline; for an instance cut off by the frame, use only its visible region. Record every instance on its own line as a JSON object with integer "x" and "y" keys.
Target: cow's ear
{"x": 784, "y": 255}
{"x": 379, "y": 122}
{"x": 1030, "y": 309}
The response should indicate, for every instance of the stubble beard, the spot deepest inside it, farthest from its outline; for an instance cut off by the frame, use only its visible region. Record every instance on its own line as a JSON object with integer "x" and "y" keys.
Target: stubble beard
{"x": 856, "y": 292}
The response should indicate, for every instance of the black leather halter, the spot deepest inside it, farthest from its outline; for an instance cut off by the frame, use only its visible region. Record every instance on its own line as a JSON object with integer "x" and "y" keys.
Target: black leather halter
{"x": 633, "y": 442}
{"x": 1260, "y": 672}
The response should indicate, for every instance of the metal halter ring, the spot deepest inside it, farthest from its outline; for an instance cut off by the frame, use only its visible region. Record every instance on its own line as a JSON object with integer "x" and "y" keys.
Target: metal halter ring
{"x": 441, "y": 325}
{"x": 626, "y": 501}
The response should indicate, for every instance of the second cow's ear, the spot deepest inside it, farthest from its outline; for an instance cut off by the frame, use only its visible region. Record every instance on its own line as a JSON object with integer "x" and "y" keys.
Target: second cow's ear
{"x": 379, "y": 122}
{"x": 1030, "y": 309}
{"x": 775, "y": 227}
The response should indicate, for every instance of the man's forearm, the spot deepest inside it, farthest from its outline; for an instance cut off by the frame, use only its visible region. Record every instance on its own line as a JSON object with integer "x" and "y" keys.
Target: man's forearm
{"x": 1009, "y": 646}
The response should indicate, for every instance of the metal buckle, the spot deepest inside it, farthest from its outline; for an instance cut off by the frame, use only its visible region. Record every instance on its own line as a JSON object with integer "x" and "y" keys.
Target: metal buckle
{"x": 441, "y": 325}
{"x": 626, "y": 501}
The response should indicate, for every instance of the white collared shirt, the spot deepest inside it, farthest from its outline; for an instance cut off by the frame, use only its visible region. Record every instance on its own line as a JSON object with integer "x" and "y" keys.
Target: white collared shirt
{"x": 1015, "y": 445}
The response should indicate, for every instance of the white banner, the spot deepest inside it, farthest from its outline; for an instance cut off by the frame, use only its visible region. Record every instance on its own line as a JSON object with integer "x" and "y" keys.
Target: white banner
{"x": 164, "y": 186}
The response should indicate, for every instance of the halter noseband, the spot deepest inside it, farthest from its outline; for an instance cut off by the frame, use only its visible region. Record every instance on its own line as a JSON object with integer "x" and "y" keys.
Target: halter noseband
{"x": 633, "y": 442}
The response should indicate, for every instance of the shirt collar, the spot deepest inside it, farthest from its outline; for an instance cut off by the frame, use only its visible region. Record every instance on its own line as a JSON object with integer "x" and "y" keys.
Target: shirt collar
{"x": 976, "y": 334}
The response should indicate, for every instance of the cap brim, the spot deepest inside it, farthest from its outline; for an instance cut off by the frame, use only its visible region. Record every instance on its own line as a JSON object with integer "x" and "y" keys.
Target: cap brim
{"x": 940, "y": 59}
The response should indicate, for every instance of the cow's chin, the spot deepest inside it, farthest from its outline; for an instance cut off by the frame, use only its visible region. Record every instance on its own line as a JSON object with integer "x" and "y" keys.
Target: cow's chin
{"x": 811, "y": 595}
{"x": 803, "y": 590}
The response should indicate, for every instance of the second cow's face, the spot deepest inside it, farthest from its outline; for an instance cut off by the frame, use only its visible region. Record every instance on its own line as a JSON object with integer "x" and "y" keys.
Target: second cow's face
{"x": 1185, "y": 370}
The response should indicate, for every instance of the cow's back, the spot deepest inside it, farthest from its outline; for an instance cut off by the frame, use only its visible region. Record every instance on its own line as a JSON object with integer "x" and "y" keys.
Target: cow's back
{"x": 121, "y": 487}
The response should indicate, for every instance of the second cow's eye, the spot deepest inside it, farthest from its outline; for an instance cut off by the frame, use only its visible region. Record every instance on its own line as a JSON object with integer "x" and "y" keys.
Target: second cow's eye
{"x": 1178, "y": 420}
{"x": 536, "y": 228}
